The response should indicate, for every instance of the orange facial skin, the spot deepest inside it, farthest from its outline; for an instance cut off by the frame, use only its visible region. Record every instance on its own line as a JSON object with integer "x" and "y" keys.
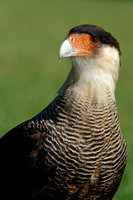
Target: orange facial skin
{"x": 84, "y": 44}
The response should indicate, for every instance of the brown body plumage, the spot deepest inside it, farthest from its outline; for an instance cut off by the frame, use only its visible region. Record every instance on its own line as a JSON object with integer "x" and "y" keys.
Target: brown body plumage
{"x": 73, "y": 149}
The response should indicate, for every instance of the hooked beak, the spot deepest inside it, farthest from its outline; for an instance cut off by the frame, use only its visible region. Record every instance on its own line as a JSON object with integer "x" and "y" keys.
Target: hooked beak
{"x": 66, "y": 50}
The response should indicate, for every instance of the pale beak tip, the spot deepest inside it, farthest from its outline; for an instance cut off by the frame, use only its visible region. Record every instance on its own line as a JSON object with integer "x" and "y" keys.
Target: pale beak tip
{"x": 66, "y": 50}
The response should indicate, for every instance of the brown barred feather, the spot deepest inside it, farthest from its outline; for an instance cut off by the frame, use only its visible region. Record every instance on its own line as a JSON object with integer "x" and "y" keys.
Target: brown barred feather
{"x": 79, "y": 152}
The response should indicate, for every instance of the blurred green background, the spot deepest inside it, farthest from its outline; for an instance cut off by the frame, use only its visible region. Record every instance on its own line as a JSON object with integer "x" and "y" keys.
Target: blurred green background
{"x": 31, "y": 32}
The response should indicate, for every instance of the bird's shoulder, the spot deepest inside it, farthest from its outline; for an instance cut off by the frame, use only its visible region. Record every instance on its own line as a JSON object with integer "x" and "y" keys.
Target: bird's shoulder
{"x": 26, "y": 139}
{"x": 22, "y": 156}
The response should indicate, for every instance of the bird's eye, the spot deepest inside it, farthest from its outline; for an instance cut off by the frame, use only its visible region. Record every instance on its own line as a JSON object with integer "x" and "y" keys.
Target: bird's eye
{"x": 94, "y": 41}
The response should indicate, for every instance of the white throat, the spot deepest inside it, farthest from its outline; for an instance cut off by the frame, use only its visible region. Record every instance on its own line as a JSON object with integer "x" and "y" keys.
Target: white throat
{"x": 96, "y": 75}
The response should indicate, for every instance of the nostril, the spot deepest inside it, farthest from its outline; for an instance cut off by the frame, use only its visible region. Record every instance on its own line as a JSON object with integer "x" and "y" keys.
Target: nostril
{"x": 71, "y": 39}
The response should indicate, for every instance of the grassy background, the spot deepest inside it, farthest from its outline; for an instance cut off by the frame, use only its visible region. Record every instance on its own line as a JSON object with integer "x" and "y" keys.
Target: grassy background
{"x": 31, "y": 32}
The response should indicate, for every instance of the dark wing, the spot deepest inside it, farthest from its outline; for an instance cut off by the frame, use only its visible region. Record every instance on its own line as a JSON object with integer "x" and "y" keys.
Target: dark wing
{"x": 22, "y": 163}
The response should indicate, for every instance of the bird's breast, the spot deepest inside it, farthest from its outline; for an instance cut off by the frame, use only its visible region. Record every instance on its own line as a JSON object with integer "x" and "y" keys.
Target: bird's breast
{"x": 82, "y": 138}
{"x": 84, "y": 144}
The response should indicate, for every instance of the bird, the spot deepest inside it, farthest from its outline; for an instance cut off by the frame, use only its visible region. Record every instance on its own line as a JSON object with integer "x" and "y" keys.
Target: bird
{"x": 73, "y": 149}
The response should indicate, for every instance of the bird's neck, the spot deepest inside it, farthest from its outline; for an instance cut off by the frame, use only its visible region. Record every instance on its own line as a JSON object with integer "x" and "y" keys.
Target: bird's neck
{"x": 92, "y": 80}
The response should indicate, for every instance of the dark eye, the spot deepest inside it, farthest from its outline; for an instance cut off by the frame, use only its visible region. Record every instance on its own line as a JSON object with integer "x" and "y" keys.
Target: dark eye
{"x": 94, "y": 41}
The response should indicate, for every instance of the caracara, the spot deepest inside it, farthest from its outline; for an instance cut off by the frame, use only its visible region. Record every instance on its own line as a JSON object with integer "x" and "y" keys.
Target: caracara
{"x": 74, "y": 149}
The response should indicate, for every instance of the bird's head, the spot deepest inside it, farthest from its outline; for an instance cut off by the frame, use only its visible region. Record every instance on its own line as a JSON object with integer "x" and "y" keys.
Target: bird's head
{"x": 94, "y": 52}
{"x": 86, "y": 41}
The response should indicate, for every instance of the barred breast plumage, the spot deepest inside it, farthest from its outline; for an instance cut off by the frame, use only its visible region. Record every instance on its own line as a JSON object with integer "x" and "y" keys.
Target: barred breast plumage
{"x": 85, "y": 143}
{"x": 73, "y": 149}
